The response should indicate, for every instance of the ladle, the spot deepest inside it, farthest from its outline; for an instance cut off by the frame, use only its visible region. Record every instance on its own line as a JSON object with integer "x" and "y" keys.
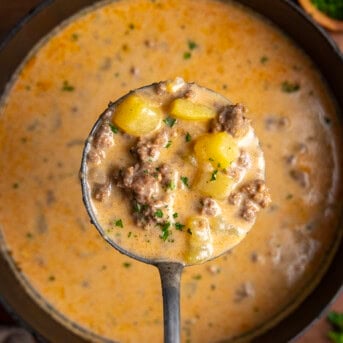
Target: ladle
{"x": 170, "y": 272}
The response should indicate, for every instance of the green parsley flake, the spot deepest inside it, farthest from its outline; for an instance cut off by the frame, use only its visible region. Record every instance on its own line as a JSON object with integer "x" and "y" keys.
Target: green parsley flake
{"x": 129, "y": 234}
{"x": 171, "y": 185}
{"x": 126, "y": 264}
{"x": 179, "y": 226}
{"x": 114, "y": 129}
{"x": 119, "y": 223}
{"x": 264, "y": 59}
{"x": 197, "y": 277}
{"x": 290, "y": 87}
{"x": 175, "y": 215}
{"x": 169, "y": 121}
{"x": 184, "y": 180}
{"x": 74, "y": 37}
{"x": 67, "y": 87}
{"x": 187, "y": 55}
{"x": 158, "y": 214}
{"x": 165, "y": 231}
{"x": 214, "y": 175}
{"x": 188, "y": 137}
{"x": 168, "y": 144}
{"x": 192, "y": 45}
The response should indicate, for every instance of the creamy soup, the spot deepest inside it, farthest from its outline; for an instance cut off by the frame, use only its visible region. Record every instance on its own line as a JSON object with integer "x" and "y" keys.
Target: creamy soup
{"x": 59, "y": 92}
{"x": 175, "y": 172}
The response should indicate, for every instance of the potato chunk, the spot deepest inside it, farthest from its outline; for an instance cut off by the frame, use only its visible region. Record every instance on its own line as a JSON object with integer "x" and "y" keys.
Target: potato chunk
{"x": 137, "y": 116}
{"x": 200, "y": 239}
{"x": 214, "y": 183}
{"x": 185, "y": 109}
{"x": 220, "y": 149}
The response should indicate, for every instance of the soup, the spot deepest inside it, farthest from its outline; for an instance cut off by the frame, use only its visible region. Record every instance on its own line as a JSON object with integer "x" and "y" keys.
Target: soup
{"x": 58, "y": 93}
{"x": 189, "y": 187}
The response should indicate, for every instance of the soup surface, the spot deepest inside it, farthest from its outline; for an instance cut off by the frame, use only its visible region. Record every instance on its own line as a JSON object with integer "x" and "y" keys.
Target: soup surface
{"x": 102, "y": 54}
{"x": 175, "y": 172}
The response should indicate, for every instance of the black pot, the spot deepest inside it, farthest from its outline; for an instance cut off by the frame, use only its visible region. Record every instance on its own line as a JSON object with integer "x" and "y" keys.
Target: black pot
{"x": 291, "y": 20}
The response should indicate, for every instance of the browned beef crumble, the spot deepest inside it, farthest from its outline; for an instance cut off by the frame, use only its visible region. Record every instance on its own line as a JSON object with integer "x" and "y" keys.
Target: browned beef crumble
{"x": 101, "y": 191}
{"x": 232, "y": 120}
{"x": 149, "y": 149}
{"x": 103, "y": 139}
{"x": 149, "y": 189}
{"x": 209, "y": 207}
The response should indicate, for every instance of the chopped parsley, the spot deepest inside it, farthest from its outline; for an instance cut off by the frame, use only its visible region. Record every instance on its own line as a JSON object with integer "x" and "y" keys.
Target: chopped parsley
{"x": 264, "y": 59}
{"x": 126, "y": 264}
{"x": 184, "y": 180}
{"x": 168, "y": 144}
{"x": 67, "y": 87}
{"x": 29, "y": 235}
{"x": 214, "y": 175}
{"x": 74, "y": 37}
{"x": 119, "y": 223}
{"x": 179, "y": 226}
{"x": 129, "y": 234}
{"x": 289, "y": 196}
{"x": 114, "y": 129}
{"x": 187, "y": 55}
{"x": 175, "y": 215}
{"x": 165, "y": 231}
{"x": 188, "y": 137}
{"x": 336, "y": 321}
{"x": 192, "y": 45}
{"x": 290, "y": 87}
{"x": 158, "y": 213}
{"x": 332, "y": 8}
{"x": 171, "y": 185}
{"x": 139, "y": 208}
{"x": 169, "y": 121}
{"x": 197, "y": 277}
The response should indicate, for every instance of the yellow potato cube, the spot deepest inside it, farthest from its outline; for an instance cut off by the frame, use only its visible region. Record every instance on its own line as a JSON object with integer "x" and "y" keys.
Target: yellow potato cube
{"x": 220, "y": 149}
{"x": 200, "y": 239}
{"x": 214, "y": 183}
{"x": 185, "y": 109}
{"x": 137, "y": 116}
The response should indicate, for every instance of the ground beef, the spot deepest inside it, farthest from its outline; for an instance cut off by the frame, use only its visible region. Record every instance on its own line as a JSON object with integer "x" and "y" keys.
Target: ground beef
{"x": 160, "y": 88}
{"x": 149, "y": 189}
{"x": 244, "y": 159}
{"x": 232, "y": 120}
{"x": 101, "y": 191}
{"x": 249, "y": 210}
{"x": 235, "y": 198}
{"x": 103, "y": 139}
{"x": 209, "y": 207}
{"x": 257, "y": 191}
{"x": 149, "y": 149}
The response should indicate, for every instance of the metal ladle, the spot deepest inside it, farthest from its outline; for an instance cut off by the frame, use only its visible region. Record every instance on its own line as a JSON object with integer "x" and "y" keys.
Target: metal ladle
{"x": 170, "y": 272}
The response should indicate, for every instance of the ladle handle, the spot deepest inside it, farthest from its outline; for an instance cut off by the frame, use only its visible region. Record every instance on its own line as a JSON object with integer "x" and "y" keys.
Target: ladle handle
{"x": 170, "y": 274}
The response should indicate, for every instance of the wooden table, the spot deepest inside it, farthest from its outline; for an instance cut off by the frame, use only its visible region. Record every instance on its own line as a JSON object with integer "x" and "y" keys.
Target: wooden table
{"x": 10, "y": 12}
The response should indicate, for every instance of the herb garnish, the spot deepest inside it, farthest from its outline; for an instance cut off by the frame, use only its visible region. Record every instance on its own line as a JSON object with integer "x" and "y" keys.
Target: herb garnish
{"x": 332, "y": 8}
{"x": 197, "y": 277}
{"x": 158, "y": 213}
{"x": 129, "y": 234}
{"x": 179, "y": 226}
{"x": 188, "y": 137}
{"x": 264, "y": 59}
{"x": 336, "y": 321}
{"x": 165, "y": 230}
{"x": 290, "y": 87}
{"x": 168, "y": 144}
{"x": 67, "y": 87}
{"x": 187, "y": 55}
{"x": 29, "y": 235}
{"x": 169, "y": 121}
{"x": 119, "y": 223}
{"x": 184, "y": 180}
{"x": 214, "y": 175}
{"x": 192, "y": 45}
{"x": 126, "y": 264}
{"x": 74, "y": 37}
{"x": 175, "y": 215}
{"x": 114, "y": 129}
{"x": 171, "y": 185}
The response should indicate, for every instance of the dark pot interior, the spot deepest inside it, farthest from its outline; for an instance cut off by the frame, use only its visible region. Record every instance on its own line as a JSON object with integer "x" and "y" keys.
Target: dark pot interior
{"x": 292, "y": 21}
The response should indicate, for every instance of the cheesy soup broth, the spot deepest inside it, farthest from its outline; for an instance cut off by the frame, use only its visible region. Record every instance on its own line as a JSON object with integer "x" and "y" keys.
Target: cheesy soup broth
{"x": 58, "y": 93}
